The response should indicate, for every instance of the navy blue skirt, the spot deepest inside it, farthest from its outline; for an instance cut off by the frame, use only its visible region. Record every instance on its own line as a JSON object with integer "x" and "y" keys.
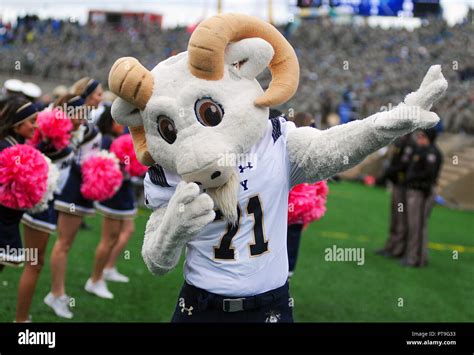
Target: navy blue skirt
{"x": 44, "y": 221}
{"x": 121, "y": 206}
{"x": 71, "y": 200}
{"x": 10, "y": 238}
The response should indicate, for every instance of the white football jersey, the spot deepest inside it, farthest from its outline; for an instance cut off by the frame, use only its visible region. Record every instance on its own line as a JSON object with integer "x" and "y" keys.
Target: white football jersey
{"x": 251, "y": 257}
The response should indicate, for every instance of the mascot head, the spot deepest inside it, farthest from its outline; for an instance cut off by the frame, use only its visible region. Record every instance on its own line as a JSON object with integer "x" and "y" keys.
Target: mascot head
{"x": 200, "y": 106}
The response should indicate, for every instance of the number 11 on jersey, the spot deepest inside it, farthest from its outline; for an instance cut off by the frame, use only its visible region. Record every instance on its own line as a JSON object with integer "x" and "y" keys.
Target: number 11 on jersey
{"x": 259, "y": 246}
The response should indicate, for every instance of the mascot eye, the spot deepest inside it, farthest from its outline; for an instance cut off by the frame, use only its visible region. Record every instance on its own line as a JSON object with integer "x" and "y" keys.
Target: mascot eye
{"x": 208, "y": 112}
{"x": 167, "y": 129}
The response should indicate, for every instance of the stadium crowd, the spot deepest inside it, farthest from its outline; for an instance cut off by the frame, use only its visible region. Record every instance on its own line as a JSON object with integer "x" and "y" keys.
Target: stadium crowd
{"x": 344, "y": 68}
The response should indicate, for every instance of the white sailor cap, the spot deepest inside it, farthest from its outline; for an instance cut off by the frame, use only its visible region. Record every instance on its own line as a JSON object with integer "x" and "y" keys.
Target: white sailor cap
{"x": 13, "y": 85}
{"x": 31, "y": 90}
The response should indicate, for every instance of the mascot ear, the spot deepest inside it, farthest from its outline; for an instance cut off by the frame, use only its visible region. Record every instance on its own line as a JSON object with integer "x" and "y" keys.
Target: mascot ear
{"x": 125, "y": 113}
{"x": 249, "y": 57}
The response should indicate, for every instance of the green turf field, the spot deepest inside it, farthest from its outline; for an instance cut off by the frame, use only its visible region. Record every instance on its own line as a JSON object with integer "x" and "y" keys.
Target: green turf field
{"x": 322, "y": 290}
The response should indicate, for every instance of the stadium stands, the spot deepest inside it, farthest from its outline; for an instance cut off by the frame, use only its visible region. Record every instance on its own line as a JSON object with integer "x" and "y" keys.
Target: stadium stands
{"x": 339, "y": 63}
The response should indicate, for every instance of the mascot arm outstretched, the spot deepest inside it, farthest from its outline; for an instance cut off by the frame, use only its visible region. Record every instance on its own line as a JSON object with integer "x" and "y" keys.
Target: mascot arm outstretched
{"x": 170, "y": 228}
{"x": 316, "y": 155}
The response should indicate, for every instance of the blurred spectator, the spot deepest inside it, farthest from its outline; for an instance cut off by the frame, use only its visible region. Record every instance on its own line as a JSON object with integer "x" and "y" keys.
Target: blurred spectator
{"x": 303, "y": 119}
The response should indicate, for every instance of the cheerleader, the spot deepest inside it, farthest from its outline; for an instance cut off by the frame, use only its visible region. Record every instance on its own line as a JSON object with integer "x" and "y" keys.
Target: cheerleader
{"x": 17, "y": 123}
{"x": 38, "y": 227}
{"x": 118, "y": 221}
{"x": 90, "y": 90}
{"x": 71, "y": 207}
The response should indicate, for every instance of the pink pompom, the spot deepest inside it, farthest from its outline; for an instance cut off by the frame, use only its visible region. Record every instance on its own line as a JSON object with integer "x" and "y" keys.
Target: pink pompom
{"x": 101, "y": 177}
{"x": 307, "y": 202}
{"x": 54, "y": 128}
{"x": 122, "y": 147}
{"x": 369, "y": 180}
{"x": 23, "y": 176}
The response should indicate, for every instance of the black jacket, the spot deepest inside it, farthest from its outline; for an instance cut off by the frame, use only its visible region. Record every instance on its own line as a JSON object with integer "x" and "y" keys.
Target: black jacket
{"x": 424, "y": 168}
{"x": 396, "y": 171}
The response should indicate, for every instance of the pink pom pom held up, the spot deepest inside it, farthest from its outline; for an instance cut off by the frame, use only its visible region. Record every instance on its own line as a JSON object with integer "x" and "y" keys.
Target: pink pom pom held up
{"x": 122, "y": 147}
{"x": 101, "y": 177}
{"x": 54, "y": 128}
{"x": 307, "y": 202}
{"x": 23, "y": 177}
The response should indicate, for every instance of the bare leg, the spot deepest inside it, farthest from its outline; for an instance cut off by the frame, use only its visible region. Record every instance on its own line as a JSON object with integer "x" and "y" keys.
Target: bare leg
{"x": 68, "y": 225}
{"x": 38, "y": 240}
{"x": 110, "y": 233}
{"x": 126, "y": 232}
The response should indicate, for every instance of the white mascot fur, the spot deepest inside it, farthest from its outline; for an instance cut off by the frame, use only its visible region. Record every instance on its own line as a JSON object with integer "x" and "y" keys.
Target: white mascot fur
{"x": 193, "y": 111}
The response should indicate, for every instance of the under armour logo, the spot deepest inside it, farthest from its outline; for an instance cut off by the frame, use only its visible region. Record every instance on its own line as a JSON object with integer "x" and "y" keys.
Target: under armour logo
{"x": 183, "y": 307}
{"x": 96, "y": 145}
{"x": 242, "y": 168}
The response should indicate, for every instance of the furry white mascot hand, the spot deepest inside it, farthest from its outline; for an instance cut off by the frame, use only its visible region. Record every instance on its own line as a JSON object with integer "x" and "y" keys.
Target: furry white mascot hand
{"x": 195, "y": 110}
{"x": 188, "y": 212}
{"x": 317, "y": 155}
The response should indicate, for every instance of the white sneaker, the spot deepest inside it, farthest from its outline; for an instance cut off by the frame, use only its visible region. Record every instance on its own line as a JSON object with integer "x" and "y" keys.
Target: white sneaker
{"x": 29, "y": 320}
{"x": 113, "y": 275}
{"x": 98, "y": 288}
{"x": 60, "y": 305}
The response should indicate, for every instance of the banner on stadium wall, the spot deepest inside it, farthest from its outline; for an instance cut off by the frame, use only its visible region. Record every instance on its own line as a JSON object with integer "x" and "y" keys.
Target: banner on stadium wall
{"x": 124, "y": 17}
{"x": 406, "y": 8}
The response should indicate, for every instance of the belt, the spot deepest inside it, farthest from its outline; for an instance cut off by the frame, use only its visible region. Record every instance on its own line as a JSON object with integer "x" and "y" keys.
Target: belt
{"x": 208, "y": 300}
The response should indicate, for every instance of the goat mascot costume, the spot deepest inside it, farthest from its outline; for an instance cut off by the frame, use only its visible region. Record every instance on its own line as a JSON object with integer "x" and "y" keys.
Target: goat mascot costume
{"x": 221, "y": 170}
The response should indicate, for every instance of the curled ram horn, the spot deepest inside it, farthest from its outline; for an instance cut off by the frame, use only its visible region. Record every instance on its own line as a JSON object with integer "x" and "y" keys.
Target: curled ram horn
{"x": 132, "y": 82}
{"x": 139, "y": 143}
{"x": 209, "y": 40}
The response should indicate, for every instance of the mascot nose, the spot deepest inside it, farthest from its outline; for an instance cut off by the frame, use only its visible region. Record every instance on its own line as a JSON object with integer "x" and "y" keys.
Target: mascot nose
{"x": 210, "y": 176}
